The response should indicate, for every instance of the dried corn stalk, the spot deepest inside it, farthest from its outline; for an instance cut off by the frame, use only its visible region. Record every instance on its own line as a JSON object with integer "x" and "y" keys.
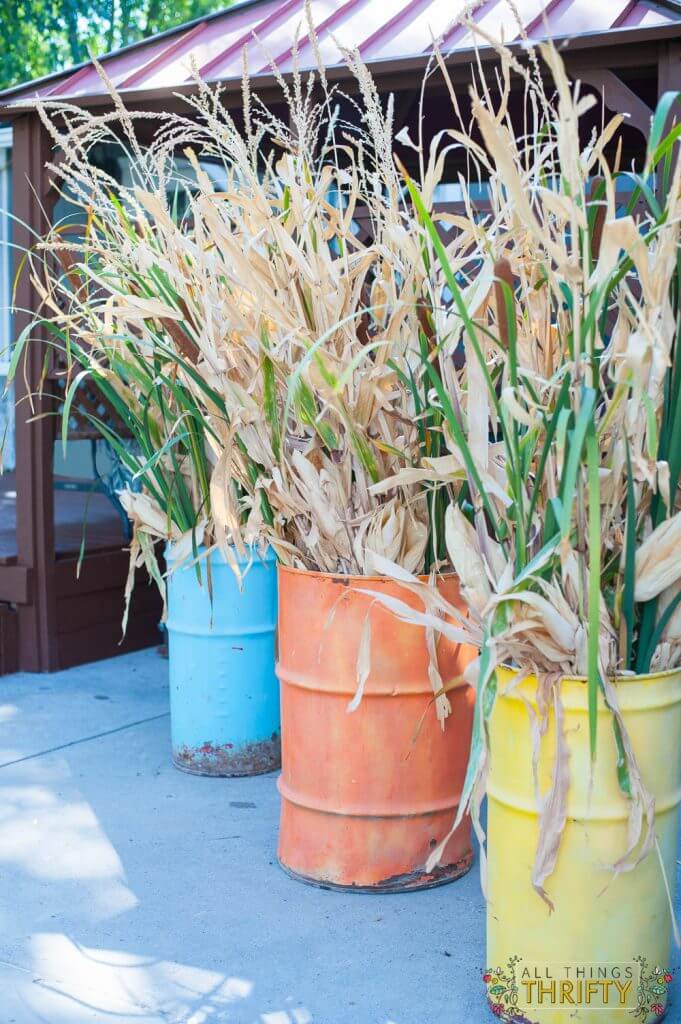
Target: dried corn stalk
{"x": 267, "y": 357}
{"x": 564, "y": 418}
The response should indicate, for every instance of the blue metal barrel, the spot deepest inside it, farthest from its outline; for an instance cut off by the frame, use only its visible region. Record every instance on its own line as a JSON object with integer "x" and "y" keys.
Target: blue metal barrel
{"x": 224, "y": 694}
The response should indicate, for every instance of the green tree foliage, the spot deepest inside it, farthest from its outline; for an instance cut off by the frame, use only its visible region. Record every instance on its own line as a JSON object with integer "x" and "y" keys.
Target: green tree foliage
{"x": 40, "y": 36}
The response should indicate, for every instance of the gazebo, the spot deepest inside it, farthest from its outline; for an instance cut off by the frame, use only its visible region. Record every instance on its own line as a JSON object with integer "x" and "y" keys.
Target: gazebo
{"x": 629, "y": 50}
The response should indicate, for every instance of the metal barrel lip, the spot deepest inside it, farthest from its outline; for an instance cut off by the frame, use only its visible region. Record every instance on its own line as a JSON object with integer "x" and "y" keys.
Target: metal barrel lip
{"x": 259, "y": 558}
{"x": 639, "y": 706}
{"x": 530, "y": 810}
{"x": 652, "y": 677}
{"x": 172, "y": 627}
{"x": 420, "y": 688}
{"x": 422, "y": 810}
{"x": 352, "y": 579}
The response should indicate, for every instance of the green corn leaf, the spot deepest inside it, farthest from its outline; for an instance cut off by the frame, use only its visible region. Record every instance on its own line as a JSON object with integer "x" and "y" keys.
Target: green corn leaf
{"x": 656, "y": 635}
{"x": 628, "y": 607}
{"x": 306, "y": 411}
{"x": 656, "y": 145}
{"x": 594, "y": 530}
{"x": 157, "y": 456}
{"x": 18, "y": 348}
{"x": 128, "y": 459}
{"x": 270, "y": 395}
{"x": 644, "y": 190}
{"x": 540, "y": 560}
{"x": 462, "y": 444}
{"x": 408, "y": 381}
{"x": 68, "y": 402}
{"x": 364, "y": 453}
{"x": 312, "y": 349}
{"x": 485, "y": 697}
{"x": 551, "y": 428}
{"x": 453, "y": 286}
{"x": 574, "y": 457}
{"x": 623, "y": 777}
{"x": 199, "y": 460}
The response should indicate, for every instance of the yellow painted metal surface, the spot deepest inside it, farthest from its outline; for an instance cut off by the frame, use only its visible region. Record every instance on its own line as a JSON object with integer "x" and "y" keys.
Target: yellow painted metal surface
{"x": 598, "y": 919}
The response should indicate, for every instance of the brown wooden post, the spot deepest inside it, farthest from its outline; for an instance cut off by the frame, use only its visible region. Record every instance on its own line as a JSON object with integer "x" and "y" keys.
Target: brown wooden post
{"x": 32, "y": 201}
{"x": 669, "y": 67}
{"x": 669, "y": 80}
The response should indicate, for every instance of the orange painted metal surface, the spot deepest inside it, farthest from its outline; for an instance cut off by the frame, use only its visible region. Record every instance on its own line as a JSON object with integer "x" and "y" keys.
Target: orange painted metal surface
{"x": 367, "y": 795}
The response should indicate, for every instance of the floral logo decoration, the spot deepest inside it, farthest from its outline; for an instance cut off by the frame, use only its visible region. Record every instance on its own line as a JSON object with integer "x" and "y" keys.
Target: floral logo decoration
{"x": 502, "y": 993}
{"x": 509, "y": 1007}
{"x": 651, "y": 995}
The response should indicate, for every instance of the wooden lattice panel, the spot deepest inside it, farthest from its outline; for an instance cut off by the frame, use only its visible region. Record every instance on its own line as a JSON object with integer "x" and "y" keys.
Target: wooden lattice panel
{"x": 88, "y": 402}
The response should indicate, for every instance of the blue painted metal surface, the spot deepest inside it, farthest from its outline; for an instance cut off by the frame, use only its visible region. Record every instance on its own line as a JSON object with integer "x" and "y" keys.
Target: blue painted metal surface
{"x": 224, "y": 694}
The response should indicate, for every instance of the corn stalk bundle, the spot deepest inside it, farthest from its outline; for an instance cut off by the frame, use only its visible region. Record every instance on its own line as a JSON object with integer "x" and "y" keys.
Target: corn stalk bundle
{"x": 565, "y": 420}
{"x": 79, "y": 270}
{"x": 269, "y": 359}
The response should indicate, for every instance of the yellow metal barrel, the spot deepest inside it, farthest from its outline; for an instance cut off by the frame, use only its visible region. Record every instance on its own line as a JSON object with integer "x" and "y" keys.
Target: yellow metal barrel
{"x": 599, "y": 919}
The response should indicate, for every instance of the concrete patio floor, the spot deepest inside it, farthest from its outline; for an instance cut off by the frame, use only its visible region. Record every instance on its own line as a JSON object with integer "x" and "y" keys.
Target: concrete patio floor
{"x": 133, "y": 893}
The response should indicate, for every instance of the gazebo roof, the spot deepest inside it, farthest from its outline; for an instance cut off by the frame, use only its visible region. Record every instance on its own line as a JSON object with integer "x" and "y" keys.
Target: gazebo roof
{"x": 389, "y": 31}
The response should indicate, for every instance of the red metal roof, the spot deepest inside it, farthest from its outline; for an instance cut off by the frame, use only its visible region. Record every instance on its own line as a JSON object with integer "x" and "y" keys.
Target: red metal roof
{"x": 382, "y": 29}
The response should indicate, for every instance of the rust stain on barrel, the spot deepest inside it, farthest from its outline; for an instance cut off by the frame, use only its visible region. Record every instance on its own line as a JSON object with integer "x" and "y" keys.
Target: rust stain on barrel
{"x": 226, "y": 760}
{"x": 363, "y": 802}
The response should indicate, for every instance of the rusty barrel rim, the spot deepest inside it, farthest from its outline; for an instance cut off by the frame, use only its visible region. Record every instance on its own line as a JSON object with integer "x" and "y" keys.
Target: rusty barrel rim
{"x": 351, "y": 579}
{"x": 258, "y": 758}
{"x": 415, "y": 882}
{"x": 223, "y": 775}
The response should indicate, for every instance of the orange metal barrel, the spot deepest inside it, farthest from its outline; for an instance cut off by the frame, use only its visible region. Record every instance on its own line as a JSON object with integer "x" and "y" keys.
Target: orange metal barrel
{"x": 367, "y": 795}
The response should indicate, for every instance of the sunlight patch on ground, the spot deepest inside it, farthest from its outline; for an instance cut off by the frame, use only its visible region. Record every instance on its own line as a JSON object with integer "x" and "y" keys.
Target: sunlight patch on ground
{"x": 72, "y": 983}
{"x": 51, "y": 833}
{"x": 54, "y": 838}
{"x": 299, "y": 1015}
{"x": 7, "y": 712}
